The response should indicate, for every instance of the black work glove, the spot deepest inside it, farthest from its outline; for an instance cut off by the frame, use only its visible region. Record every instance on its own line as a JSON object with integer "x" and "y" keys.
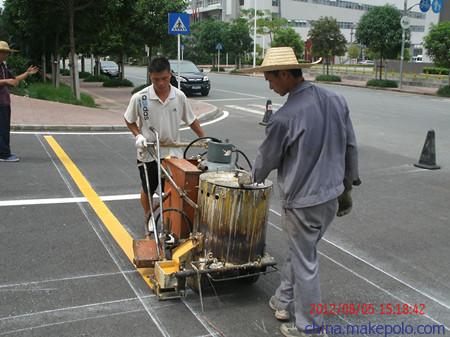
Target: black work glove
{"x": 345, "y": 203}
{"x": 345, "y": 199}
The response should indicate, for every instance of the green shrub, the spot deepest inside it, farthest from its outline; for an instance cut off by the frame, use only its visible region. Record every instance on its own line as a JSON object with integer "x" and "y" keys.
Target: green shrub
{"x": 64, "y": 72}
{"x": 328, "y": 78}
{"x": 139, "y": 88}
{"x": 96, "y": 78}
{"x": 444, "y": 91}
{"x": 382, "y": 83}
{"x": 235, "y": 71}
{"x": 84, "y": 74}
{"x": 63, "y": 94}
{"x": 116, "y": 82}
{"x": 435, "y": 70}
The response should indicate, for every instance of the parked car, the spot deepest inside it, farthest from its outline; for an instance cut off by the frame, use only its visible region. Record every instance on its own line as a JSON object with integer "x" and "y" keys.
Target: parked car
{"x": 367, "y": 62}
{"x": 192, "y": 79}
{"x": 109, "y": 68}
{"x": 417, "y": 58}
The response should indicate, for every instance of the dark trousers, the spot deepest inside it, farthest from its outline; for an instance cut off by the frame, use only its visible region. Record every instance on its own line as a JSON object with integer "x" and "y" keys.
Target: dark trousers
{"x": 5, "y": 128}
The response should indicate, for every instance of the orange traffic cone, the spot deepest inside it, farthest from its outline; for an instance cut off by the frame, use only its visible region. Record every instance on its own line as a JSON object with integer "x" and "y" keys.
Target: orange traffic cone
{"x": 428, "y": 157}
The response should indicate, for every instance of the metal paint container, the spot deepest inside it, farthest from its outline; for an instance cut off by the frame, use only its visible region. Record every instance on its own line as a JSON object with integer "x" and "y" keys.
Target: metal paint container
{"x": 233, "y": 220}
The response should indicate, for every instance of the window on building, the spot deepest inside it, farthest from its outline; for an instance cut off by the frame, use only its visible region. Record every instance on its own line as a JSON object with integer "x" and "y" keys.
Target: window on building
{"x": 241, "y": 2}
{"x": 275, "y": 3}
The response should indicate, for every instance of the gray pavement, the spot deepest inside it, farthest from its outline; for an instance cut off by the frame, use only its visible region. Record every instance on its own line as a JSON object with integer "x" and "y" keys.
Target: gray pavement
{"x": 36, "y": 114}
{"x": 64, "y": 275}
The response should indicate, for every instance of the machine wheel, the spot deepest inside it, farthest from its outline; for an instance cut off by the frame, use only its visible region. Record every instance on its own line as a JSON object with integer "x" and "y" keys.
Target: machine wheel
{"x": 205, "y": 92}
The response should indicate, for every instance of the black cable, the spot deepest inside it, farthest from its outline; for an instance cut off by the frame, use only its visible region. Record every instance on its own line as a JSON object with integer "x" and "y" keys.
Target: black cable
{"x": 185, "y": 216}
{"x": 196, "y": 140}
{"x": 246, "y": 158}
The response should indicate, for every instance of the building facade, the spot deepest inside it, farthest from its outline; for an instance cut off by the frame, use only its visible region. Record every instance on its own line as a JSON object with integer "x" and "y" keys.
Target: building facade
{"x": 301, "y": 14}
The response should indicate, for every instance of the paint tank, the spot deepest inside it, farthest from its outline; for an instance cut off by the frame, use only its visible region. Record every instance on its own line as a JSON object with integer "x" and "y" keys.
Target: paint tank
{"x": 233, "y": 220}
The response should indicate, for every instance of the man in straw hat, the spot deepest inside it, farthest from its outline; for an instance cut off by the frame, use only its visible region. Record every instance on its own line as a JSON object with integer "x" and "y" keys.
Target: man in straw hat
{"x": 310, "y": 141}
{"x": 8, "y": 80}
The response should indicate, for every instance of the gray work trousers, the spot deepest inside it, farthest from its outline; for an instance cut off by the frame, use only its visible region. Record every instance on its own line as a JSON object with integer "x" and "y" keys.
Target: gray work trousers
{"x": 300, "y": 284}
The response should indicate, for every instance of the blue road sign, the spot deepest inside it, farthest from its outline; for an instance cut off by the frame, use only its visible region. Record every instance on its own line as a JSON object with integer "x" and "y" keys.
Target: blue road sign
{"x": 436, "y": 6}
{"x": 179, "y": 24}
{"x": 182, "y": 46}
{"x": 219, "y": 46}
{"x": 425, "y": 5}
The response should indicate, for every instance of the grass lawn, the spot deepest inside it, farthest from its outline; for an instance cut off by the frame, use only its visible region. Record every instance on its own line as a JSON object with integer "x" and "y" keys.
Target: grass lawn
{"x": 48, "y": 92}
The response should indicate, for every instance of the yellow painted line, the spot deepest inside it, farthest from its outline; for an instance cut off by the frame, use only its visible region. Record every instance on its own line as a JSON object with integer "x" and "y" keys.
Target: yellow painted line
{"x": 115, "y": 228}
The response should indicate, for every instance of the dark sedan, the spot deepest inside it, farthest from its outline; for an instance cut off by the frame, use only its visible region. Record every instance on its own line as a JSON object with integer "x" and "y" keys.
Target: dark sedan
{"x": 192, "y": 80}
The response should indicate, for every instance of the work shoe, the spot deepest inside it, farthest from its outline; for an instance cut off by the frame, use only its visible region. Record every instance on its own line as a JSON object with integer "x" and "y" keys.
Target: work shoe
{"x": 290, "y": 330}
{"x": 280, "y": 314}
{"x": 12, "y": 158}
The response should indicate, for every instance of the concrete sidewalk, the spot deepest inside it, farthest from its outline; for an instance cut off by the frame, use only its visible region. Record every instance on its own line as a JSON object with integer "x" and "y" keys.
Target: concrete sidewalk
{"x": 35, "y": 114}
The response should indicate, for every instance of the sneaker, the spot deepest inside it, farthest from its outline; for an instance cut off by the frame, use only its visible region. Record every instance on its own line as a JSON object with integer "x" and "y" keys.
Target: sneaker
{"x": 12, "y": 158}
{"x": 290, "y": 330}
{"x": 280, "y": 314}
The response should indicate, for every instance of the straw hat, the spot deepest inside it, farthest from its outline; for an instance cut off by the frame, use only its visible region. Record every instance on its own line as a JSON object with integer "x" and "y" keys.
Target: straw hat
{"x": 5, "y": 47}
{"x": 280, "y": 58}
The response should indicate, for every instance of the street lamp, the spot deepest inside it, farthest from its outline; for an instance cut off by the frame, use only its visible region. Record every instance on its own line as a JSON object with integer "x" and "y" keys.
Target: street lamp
{"x": 405, "y": 25}
{"x": 254, "y": 39}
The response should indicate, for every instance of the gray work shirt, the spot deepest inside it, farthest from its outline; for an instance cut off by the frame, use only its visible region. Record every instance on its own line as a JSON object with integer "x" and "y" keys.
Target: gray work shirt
{"x": 310, "y": 140}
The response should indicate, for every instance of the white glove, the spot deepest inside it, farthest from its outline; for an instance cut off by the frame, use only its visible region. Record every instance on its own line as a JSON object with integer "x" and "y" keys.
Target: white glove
{"x": 141, "y": 143}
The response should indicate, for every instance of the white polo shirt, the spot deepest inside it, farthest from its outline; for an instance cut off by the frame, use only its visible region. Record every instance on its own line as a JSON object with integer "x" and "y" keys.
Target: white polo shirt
{"x": 146, "y": 109}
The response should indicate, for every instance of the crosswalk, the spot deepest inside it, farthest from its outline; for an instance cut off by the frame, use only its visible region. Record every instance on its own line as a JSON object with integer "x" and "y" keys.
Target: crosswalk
{"x": 257, "y": 109}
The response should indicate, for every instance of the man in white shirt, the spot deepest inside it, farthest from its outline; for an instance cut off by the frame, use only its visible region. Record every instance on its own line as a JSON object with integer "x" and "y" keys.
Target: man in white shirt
{"x": 163, "y": 107}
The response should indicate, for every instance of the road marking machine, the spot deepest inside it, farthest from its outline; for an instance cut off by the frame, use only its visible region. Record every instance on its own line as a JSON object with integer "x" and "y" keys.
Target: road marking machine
{"x": 210, "y": 223}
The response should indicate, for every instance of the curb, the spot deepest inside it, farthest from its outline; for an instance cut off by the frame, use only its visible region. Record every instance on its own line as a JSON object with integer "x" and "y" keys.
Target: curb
{"x": 376, "y": 88}
{"x": 358, "y": 86}
{"x": 211, "y": 114}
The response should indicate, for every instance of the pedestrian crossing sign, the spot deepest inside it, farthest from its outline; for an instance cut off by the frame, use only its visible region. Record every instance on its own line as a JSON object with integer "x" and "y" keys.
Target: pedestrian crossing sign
{"x": 179, "y": 24}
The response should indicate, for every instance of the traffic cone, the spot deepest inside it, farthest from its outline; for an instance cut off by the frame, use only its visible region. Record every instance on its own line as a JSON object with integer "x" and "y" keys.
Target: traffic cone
{"x": 267, "y": 113}
{"x": 428, "y": 157}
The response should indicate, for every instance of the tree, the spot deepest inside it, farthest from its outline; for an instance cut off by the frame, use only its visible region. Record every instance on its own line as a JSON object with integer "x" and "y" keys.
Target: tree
{"x": 353, "y": 51}
{"x": 287, "y": 37}
{"x": 237, "y": 39}
{"x": 118, "y": 36}
{"x": 379, "y": 29}
{"x": 270, "y": 25}
{"x": 152, "y": 21}
{"x": 211, "y": 32}
{"x": 437, "y": 44}
{"x": 327, "y": 39}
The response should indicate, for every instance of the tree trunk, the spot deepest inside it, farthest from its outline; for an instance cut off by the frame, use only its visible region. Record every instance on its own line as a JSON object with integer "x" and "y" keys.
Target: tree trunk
{"x": 44, "y": 67}
{"x": 149, "y": 58}
{"x": 449, "y": 76}
{"x": 122, "y": 65}
{"x": 57, "y": 75}
{"x": 73, "y": 56}
{"x": 55, "y": 63}
{"x": 82, "y": 64}
{"x": 381, "y": 68}
{"x": 97, "y": 66}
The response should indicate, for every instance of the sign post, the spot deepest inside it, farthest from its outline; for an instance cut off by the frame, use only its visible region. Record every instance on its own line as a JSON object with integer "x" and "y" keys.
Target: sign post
{"x": 179, "y": 25}
{"x": 424, "y": 5}
{"x": 219, "y": 47}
